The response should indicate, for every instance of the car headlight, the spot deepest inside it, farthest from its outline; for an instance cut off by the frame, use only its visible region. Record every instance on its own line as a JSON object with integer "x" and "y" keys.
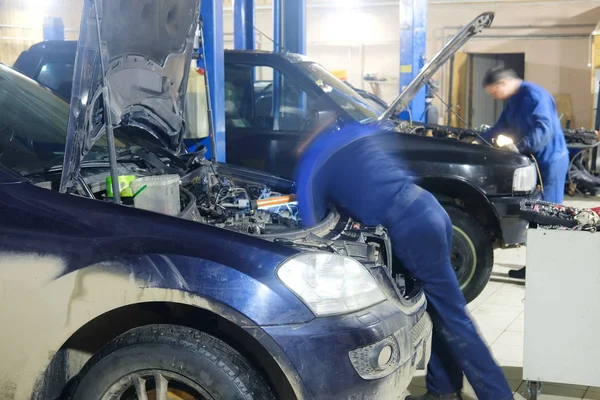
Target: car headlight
{"x": 329, "y": 283}
{"x": 525, "y": 179}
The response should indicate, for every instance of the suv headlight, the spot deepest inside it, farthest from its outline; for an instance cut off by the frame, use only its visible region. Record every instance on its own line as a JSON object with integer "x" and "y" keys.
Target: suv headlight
{"x": 525, "y": 179}
{"x": 329, "y": 283}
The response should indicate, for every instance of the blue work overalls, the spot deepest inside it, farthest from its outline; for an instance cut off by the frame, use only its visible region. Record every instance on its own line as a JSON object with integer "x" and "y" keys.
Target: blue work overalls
{"x": 353, "y": 170}
{"x": 531, "y": 120}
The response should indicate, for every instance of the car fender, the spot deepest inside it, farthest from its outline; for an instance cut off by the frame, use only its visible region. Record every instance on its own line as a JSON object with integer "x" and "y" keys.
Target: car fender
{"x": 57, "y": 304}
{"x": 449, "y": 188}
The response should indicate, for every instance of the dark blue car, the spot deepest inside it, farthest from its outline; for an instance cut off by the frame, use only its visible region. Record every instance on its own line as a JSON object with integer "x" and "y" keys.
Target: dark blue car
{"x": 229, "y": 299}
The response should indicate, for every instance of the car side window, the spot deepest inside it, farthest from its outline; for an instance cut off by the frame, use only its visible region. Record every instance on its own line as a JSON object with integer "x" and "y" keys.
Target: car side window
{"x": 261, "y": 97}
{"x": 57, "y": 75}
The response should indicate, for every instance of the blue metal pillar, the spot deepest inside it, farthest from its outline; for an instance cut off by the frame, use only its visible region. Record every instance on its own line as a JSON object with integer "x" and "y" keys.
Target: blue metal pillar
{"x": 277, "y": 27}
{"x": 294, "y": 26}
{"x": 243, "y": 25}
{"x": 413, "y": 38}
{"x": 54, "y": 29}
{"x": 277, "y": 36}
{"x": 212, "y": 49}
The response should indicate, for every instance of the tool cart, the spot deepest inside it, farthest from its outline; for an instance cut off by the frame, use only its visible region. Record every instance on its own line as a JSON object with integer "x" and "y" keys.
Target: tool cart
{"x": 562, "y": 296}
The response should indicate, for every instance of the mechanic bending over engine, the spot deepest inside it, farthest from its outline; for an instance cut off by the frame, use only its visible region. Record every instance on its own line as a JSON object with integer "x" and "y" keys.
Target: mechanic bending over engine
{"x": 352, "y": 169}
{"x": 530, "y": 119}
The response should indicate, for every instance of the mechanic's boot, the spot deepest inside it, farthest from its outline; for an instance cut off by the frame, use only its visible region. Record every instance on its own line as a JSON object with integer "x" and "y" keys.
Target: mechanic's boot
{"x": 517, "y": 274}
{"x": 431, "y": 396}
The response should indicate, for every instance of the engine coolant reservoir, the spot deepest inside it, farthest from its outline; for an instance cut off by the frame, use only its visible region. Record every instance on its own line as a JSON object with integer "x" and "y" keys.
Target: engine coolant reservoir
{"x": 157, "y": 193}
{"x": 196, "y": 105}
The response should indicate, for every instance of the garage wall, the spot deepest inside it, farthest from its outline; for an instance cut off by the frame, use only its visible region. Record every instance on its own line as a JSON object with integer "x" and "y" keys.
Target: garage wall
{"x": 556, "y": 61}
{"x": 339, "y": 36}
{"x": 21, "y": 23}
{"x": 363, "y": 36}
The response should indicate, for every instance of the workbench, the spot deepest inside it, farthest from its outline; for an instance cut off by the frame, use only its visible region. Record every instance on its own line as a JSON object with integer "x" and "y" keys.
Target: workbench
{"x": 562, "y": 308}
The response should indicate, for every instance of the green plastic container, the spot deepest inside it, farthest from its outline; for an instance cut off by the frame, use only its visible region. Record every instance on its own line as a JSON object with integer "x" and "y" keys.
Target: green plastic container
{"x": 124, "y": 185}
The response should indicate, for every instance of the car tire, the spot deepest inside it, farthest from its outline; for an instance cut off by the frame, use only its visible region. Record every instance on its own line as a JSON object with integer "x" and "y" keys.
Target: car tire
{"x": 472, "y": 253}
{"x": 187, "y": 362}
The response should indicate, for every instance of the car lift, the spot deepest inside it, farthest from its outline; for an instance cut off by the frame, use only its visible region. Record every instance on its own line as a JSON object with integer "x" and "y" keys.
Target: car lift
{"x": 289, "y": 33}
{"x": 289, "y": 30}
{"x": 413, "y": 38}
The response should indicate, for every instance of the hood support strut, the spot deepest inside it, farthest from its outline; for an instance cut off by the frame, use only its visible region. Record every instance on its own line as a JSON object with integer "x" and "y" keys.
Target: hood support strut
{"x": 483, "y": 21}
{"x": 110, "y": 136}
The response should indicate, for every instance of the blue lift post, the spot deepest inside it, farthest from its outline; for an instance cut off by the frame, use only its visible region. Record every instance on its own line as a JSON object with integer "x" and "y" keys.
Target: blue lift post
{"x": 413, "y": 38}
{"x": 277, "y": 36}
{"x": 294, "y": 32}
{"x": 294, "y": 26}
{"x": 213, "y": 51}
{"x": 243, "y": 24}
{"x": 277, "y": 27}
{"x": 54, "y": 29}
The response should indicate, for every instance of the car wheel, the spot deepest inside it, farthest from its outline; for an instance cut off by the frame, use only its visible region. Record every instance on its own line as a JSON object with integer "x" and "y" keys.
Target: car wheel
{"x": 472, "y": 253}
{"x": 166, "y": 362}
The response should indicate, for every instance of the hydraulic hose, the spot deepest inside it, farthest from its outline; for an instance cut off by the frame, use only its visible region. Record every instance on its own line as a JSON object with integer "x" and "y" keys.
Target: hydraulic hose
{"x": 580, "y": 153}
{"x": 537, "y": 167}
{"x": 273, "y": 201}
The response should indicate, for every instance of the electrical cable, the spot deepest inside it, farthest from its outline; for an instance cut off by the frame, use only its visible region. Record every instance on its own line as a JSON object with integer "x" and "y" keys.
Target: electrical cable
{"x": 537, "y": 167}
{"x": 580, "y": 153}
{"x": 281, "y": 48}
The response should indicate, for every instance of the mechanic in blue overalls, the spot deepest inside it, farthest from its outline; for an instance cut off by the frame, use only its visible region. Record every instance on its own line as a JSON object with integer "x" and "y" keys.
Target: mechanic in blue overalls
{"x": 530, "y": 119}
{"x": 353, "y": 169}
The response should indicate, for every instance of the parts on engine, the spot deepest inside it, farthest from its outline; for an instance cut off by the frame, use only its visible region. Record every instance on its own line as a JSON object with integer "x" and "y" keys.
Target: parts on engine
{"x": 248, "y": 208}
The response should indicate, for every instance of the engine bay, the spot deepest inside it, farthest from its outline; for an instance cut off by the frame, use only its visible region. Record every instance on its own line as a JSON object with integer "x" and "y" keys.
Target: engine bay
{"x": 236, "y": 199}
{"x": 247, "y": 207}
{"x": 440, "y": 131}
{"x": 205, "y": 193}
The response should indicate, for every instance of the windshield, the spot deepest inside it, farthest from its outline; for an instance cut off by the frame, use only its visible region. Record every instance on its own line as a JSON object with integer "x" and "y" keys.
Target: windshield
{"x": 342, "y": 94}
{"x": 33, "y": 126}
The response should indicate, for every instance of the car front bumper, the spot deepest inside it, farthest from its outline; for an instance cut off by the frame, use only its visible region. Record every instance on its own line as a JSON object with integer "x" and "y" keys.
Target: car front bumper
{"x": 514, "y": 229}
{"x": 337, "y": 357}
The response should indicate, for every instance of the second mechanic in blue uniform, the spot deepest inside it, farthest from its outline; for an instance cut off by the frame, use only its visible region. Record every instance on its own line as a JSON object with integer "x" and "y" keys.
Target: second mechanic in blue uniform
{"x": 530, "y": 119}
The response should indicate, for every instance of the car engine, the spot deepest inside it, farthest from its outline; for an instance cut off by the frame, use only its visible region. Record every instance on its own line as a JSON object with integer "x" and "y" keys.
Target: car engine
{"x": 440, "y": 131}
{"x": 243, "y": 201}
{"x": 242, "y": 206}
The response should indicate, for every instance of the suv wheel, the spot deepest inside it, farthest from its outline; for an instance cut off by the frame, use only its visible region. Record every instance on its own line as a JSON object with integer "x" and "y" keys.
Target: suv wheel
{"x": 169, "y": 362}
{"x": 472, "y": 253}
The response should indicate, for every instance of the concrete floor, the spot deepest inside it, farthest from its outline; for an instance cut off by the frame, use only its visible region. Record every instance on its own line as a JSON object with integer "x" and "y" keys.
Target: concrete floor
{"x": 499, "y": 315}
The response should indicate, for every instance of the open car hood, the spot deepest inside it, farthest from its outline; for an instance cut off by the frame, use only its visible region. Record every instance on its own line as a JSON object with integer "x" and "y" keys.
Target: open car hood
{"x": 143, "y": 50}
{"x": 476, "y": 26}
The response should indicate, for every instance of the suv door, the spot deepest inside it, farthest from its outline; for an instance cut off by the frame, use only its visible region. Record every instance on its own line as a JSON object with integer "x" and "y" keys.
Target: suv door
{"x": 268, "y": 114}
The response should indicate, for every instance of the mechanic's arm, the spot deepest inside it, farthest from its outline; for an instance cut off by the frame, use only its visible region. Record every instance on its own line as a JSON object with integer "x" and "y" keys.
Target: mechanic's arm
{"x": 539, "y": 113}
{"x": 496, "y": 129}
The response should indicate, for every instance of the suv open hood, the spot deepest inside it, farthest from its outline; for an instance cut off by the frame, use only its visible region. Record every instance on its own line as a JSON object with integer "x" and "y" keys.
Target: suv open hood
{"x": 146, "y": 50}
{"x": 477, "y": 25}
